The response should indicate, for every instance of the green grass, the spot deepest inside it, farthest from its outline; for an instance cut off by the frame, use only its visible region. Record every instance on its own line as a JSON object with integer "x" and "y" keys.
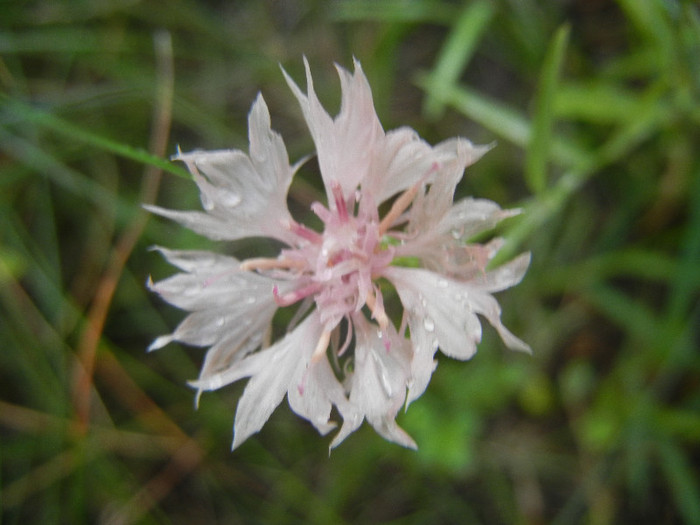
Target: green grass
{"x": 595, "y": 110}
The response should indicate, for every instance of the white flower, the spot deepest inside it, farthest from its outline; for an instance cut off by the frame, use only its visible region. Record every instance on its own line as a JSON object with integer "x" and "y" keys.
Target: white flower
{"x": 344, "y": 351}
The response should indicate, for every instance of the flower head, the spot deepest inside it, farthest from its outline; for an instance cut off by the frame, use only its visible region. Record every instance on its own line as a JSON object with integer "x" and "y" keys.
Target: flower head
{"x": 343, "y": 349}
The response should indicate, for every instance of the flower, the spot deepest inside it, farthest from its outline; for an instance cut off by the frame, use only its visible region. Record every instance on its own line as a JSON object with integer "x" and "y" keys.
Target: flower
{"x": 342, "y": 349}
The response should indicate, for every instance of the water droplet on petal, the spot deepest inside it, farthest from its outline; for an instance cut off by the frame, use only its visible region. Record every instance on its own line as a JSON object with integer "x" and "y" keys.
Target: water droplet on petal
{"x": 386, "y": 385}
{"x": 220, "y": 321}
{"x": 250, "y": 299}
{"x": 442, "y": 283}
{"x": 428, "y": 324}
{"x": 207, "y": 202}
{"x": 228, "y": 198}
{"x": 383, "y": 377}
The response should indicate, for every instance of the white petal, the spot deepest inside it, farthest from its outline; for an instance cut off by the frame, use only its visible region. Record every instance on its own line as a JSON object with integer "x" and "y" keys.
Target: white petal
{"x": 286, "y": 367}
{"x": 469, "y": 217}
{"x": 505, "y": 276}
{"x": 210, "y": 226}
{"x": 269, "y": 154}
{"x": 423, "y": 364}
{"x": 314, "y": 394}
{"x": 242, "y": 196}
{"x": 231, "y": 309}
{"x": 453, "y": 156}
{"x": 444, "y": 312}
{"x": 193, "y": 260}
{"x": 344, "y": 145}
{"x": 380, "y": 377}
{"x": 401, "y": 159}
{"x": 281, "y": 369}
{"x": 388, "y": 429}
{"x": 273, "y": 371}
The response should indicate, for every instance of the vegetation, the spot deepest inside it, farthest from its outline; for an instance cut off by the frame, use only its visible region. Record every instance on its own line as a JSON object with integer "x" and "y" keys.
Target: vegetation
{"x": 595, "y": 110}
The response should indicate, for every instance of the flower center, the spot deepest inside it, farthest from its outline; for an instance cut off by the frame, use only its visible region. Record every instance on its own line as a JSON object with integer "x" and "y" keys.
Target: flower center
{"x": 338, "y": 266}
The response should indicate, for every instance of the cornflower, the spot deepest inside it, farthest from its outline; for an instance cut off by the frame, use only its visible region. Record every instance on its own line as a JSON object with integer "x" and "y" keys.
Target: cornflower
{"x": 341, "y": 349}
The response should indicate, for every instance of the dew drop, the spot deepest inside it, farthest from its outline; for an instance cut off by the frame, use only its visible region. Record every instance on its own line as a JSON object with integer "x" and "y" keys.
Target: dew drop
{"x": 220, "y": 321}
{"x": 228, "y": 198}
{"x": 207, "y": 202}
{"x": 386, "y": 385}
{"x": 428, "y": 324}
{"x": 250, "y": 299}
{"x": 442, "y": 283}
{"x": 383, "y": 377}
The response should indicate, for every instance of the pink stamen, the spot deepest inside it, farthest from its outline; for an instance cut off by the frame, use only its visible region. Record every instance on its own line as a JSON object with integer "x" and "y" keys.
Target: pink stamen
{"x": 294, "y": 296}
{"x": 305, "y": 233}
{"x": 321, "y": 212}
{"x": 340, "y": 205}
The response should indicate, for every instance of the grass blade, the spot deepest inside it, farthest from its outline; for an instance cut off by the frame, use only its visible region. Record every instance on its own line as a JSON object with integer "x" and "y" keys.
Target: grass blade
{"x": 456, "y": 53}
{"x": 25, "y": 112}
{"x": 538, "y": 150}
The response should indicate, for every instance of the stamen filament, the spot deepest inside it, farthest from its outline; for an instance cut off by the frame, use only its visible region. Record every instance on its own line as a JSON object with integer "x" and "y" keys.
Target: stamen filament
{"x": 340, "y": 205}
{"x": 264, "y": 263}
{"x": 294, "y": 296}
{"x": 400, "y": 205}
{"x": 377, "y": 310}
{"x": 321, "y": 347}
{"x": 304, "y": 232}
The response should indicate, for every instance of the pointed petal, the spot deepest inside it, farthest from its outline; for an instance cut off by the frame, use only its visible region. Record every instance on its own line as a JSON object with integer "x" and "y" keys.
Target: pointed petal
{"x": 469, "y": 217}
{"x": 202, "y": 223}
{"x": 381, "y": 373}
{"x": 401, "y": 159}
{"x": 505, "y": 276}
{"x": 443, "y": 312}
{"x": 242, "y": 196}
{"x": 437, "y": 201}
{"x": 281, "y": 371}
{"x": 344, "y": 145}
{"x": 315, "y": 393}
{"x": 231, "y": 309}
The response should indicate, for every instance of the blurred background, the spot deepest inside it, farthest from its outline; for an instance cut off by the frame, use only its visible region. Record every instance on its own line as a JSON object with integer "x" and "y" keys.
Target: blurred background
{"x": 594, "y": 106}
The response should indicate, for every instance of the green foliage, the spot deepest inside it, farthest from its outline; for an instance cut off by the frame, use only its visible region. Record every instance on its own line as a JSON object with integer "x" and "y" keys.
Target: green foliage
{"x": 595, "y": 109}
